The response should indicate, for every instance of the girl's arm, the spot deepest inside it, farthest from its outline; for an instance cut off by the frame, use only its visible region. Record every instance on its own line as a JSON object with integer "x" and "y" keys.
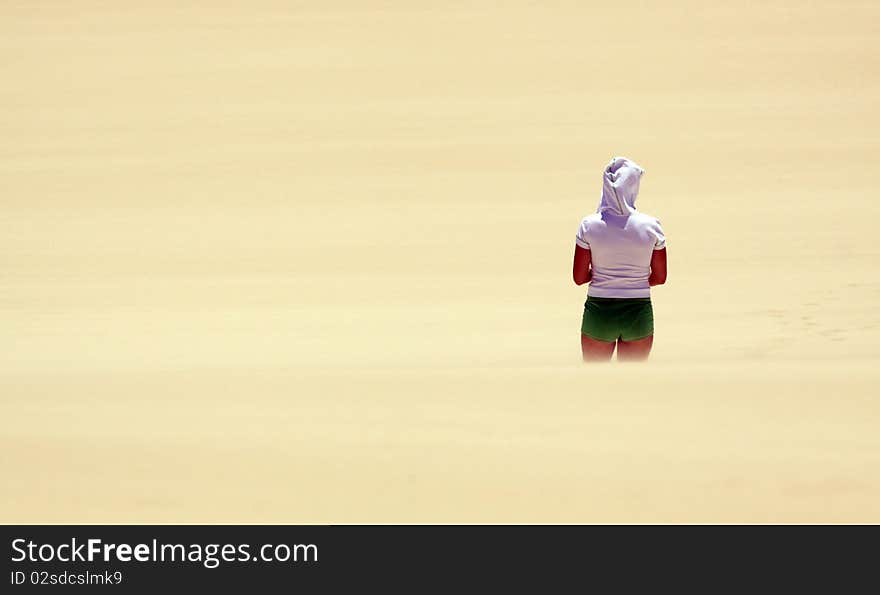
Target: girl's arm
{"x": 581, "y": 270}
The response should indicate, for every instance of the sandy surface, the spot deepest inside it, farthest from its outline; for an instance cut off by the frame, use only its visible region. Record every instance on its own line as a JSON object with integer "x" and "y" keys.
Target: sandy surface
{"x": 312, "y": 263}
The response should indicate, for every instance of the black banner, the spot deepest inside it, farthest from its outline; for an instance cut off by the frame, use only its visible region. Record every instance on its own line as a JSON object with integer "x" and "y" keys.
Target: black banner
{"x": 117, "y": 558}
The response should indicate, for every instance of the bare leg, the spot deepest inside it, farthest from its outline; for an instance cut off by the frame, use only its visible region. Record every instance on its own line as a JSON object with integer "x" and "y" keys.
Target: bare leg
{"x": 632, "y": 351}
{"x": 596, "y": 351}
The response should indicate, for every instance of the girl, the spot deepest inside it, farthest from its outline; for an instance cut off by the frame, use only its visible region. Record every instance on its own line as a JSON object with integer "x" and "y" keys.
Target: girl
{"x": 621, "y": 253}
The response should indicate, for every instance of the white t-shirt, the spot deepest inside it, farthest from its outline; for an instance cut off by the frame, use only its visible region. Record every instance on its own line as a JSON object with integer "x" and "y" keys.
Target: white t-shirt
{"x": 620, "y": 248}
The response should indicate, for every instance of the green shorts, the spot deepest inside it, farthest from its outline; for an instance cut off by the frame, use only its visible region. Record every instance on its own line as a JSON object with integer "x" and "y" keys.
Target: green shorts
{"x": 610, "y": 319}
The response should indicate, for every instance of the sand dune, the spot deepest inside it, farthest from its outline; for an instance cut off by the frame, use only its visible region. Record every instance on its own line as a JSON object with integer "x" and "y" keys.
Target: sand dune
{"x": 311, "y": 263}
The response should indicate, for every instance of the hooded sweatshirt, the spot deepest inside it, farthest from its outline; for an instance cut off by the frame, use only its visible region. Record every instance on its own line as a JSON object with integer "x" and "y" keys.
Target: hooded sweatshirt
{"x": 620, "y": 238}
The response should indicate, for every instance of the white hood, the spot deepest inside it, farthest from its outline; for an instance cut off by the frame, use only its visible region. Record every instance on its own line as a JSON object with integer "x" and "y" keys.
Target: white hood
{"x": 620, "y": 186}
